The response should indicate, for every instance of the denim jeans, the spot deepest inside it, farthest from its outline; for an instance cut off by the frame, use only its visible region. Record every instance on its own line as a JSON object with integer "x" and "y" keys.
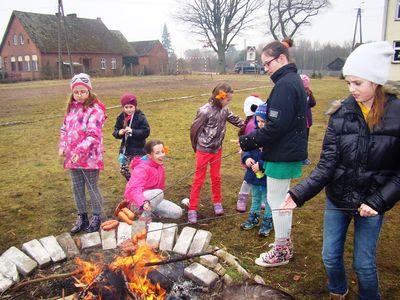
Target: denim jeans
{"x": 366, "y": 235}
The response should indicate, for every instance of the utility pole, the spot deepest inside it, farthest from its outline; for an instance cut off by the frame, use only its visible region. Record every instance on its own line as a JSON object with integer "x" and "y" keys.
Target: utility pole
{"x": 61, "y": 10}
{"x": 358, "y": 21}
{"x": 59, "y": 43}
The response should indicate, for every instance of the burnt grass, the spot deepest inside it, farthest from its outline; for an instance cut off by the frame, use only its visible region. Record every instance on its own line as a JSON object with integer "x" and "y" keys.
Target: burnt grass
{"x": 36, "y": 198}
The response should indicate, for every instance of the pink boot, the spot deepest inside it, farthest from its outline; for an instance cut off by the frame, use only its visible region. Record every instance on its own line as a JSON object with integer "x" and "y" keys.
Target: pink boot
{"x": 241, "y": 203}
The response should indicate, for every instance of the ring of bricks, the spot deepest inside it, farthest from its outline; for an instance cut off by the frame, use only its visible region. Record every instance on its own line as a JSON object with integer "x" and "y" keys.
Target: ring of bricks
{"x": 41, "y": 253}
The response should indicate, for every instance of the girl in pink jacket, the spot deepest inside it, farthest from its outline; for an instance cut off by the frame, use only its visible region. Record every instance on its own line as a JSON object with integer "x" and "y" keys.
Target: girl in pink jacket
{"x": 81, "y": 145}
{"x": 144, "y": 190}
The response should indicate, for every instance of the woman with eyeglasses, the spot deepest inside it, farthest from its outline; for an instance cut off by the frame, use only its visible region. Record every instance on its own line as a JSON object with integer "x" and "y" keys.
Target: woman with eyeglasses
{"x": 81, "y": 145}
{"x": 284, "y": 143}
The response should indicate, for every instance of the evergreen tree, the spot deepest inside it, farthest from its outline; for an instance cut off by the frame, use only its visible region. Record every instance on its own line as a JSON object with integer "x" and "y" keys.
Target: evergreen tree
{"x": 166, "y": 41}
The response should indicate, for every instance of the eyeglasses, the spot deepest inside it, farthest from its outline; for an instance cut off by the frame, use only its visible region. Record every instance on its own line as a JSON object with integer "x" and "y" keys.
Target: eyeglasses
{"x": 267, "y": 63}
{"x": 80, "y": 93}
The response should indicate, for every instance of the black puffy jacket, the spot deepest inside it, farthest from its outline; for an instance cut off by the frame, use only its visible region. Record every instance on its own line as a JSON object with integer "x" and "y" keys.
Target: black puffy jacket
{"x": 357, "y": 166}
{"x": 284, "y": 136}
{"x": 141, "y": 130}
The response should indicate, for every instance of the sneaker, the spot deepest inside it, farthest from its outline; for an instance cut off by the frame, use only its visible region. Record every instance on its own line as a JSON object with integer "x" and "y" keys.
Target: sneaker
{"x": 241, "y": 202}
{"x": 82, "y": 222}
{"x": 94, "y": 225}
{"x": 306, "y": 162}
{"x": 192, "y": 216}
{"x": 252, "y": 221}
{"x": 266, "y": 227}
{"x": 277, "y": 256}
{"x": 218, "y": 209}
{"x": 289, "y": 245}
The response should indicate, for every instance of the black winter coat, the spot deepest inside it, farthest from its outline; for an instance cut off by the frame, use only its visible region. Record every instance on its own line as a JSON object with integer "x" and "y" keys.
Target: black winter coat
{"x": 357, "y": 166}
{"x": 140, "y": 131}
{"x": 284, "y": 136}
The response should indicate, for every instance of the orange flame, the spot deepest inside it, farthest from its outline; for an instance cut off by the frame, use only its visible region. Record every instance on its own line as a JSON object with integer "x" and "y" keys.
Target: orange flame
{"x": 134, "y": 269}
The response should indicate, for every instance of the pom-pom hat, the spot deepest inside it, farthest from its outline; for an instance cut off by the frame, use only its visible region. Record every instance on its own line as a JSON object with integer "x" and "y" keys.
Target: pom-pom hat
{"x": 370, "y": 61}
{"x": 128, "y": 99}
{"x": 306, "y": 80}
{"x": 262, "y": 111}
{"x": 81, "y": 79}
{"x": 250, "y": 105}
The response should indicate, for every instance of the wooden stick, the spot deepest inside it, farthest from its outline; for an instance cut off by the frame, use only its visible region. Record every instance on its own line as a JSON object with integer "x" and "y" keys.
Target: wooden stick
{"x": 51, "y": 277}
{"x": 174, "y": 260}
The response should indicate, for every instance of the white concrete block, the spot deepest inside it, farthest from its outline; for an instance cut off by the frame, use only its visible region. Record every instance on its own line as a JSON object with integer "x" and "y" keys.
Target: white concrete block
{"x": 184, "y": 240}
{"x": 25, "y": 264}
{"x": 90, "y": 240}
{"x": 200, "y": 242}
{"x": 35, "y": 250}
{"x": 124, "y": 233}
{"x": 53, "y": 248}
{"x": 154, "y": 234}
{"x": 168, "y": 236}
{"x": 201, "y": 275}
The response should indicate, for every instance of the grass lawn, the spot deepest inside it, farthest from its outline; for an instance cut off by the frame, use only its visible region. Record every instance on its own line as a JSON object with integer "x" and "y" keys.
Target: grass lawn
{"x": 35, "y": 191}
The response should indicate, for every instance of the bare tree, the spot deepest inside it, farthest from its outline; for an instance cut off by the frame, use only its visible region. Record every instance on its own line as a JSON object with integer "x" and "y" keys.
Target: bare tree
{"x": 218, "y": 21}
{"x": 285, "y": 17}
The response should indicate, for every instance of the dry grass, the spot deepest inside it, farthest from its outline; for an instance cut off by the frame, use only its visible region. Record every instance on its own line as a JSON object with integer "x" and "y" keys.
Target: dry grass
{"x": 36, "y": 199}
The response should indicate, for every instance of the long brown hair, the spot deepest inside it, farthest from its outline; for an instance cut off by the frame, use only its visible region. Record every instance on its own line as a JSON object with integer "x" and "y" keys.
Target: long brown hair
{"x": 378, "y": 107}
{"x": 276, "y": 48}
{"x": 219, "y": 87}
{"x": 92, "y": 98}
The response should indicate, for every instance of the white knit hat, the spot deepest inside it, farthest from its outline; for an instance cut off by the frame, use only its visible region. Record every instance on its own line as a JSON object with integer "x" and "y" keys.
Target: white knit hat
{"x": 81, "y": 79}
{"x": 248, "y": 103}
{"x": 370, "y": 61}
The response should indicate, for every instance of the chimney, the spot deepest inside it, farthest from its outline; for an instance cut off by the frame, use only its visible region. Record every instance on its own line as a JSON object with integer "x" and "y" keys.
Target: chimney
{"x": 72, "y": 15}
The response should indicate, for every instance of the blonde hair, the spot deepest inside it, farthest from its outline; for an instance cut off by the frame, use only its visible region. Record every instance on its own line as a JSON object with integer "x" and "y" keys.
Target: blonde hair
{"x": 378, "y": 107}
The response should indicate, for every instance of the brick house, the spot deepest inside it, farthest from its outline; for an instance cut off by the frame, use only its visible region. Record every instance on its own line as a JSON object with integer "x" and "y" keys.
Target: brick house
{"x": 29, "y": 49}
{"x": 391, "y": 33}
{"x": 153, "y": 58}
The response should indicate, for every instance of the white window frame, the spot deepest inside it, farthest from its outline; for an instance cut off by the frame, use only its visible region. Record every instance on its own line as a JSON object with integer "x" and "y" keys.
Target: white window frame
{"x": 396, "y": 55}
{"x": 27, "y": 63}
{"x": 113, "y": 63}
{"x": 34, "y": 63}
{"x": 21, "y": 39}
{"x": 397, "y": 12}
{"x": 13, "y": 64}
{"x": 103, "y": 63}
{"x": 15, "y": 39}
{"x": 20, "y": 64}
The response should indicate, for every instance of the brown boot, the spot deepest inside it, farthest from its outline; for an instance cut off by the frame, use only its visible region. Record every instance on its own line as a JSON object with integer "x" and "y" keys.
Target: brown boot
{"x": 345, "y": 296}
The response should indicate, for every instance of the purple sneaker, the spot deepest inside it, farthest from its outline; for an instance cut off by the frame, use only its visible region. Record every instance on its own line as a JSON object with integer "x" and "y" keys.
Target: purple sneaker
{"x": 218, "y": 209}
{"x": 241, "y": 202}
{"x": 192, "y": 216}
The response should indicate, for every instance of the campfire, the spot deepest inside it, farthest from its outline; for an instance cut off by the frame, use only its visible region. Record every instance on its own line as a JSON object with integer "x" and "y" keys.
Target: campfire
{"x": 124, "y": 278}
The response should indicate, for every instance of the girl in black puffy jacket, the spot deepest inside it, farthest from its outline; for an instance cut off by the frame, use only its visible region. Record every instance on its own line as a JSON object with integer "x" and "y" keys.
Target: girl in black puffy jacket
{"x": 359, "y": 168}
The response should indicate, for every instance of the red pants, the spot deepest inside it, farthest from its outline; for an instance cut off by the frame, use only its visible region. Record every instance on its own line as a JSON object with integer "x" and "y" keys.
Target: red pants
{"x": 202, "y": 160}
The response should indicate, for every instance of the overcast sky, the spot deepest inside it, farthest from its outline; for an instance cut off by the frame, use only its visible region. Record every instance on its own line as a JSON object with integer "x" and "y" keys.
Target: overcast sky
{"x": 144, "y": 20}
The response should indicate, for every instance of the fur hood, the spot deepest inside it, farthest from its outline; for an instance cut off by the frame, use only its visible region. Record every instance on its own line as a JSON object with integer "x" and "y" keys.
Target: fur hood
{"x": 391, "y": 87}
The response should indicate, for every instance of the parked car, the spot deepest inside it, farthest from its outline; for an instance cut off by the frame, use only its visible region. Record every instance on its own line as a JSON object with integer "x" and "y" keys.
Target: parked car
{"x": 246, "y": 67}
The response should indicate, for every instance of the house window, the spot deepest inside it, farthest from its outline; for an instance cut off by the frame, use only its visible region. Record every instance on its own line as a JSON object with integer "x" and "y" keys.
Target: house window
{"x": 396, "y": 56}
{"x": 103, "y": 63}
{"x": 13, "y": 64}
{"x": 27, "y": 63}
{"x": 20, "y": 64}
{"x": 15, "y": 39}
{"x": 34, "y": 63}
{"x": 397, "y": 17}
{"x": 21, "y": 39}
{"x": 113, "y": 63}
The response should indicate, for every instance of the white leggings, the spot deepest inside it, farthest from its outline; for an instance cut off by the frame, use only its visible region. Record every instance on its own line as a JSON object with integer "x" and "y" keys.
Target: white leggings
{"x": 276, "y": 193}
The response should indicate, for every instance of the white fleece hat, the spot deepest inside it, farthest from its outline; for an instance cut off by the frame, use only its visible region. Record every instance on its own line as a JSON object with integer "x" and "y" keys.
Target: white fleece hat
{"x": 250, "y": 105}
{"x": 370, "y": 61}
{"x": 81, "y": 79}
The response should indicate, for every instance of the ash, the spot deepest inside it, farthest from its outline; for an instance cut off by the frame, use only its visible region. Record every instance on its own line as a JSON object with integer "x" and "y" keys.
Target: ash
{"x": 186, "y": 290}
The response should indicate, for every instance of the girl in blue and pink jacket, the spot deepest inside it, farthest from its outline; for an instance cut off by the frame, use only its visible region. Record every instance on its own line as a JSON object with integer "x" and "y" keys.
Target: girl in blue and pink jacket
{"x": 81, "y": 145}
{"x": 144, "y": 190}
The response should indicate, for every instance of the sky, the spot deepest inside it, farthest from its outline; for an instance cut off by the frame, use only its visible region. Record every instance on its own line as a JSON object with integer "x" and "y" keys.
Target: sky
{"x": 144, "y": 20}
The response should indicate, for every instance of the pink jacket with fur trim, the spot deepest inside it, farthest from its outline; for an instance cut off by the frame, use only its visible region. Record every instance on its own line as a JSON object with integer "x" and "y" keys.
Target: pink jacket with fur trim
{"x": 146, "y": 175}
{"x": 82, "y": 135}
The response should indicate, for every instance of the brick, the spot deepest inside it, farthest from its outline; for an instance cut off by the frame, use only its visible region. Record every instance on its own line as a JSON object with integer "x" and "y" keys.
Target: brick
{"x": 53, "y": 248}
{"x": 209, "y": 261}
{"x": 25, "y": 264}
{"x": 259, "y": 279}
{"x": 219, "y": 269}
{"x": 5, "y": 283}
{"x": 184, "y": 240}
{"x": 124, "y": 232}
{"x": 68, "y": 245}
{"x": 168, "y": 236}
{"x": 35, "y": 250}
{"x": 201, "y": 275}
{"x": 8, "y": 269}
{"x": 108, "y": 239}
{"x": 200, "y": 242}
{"x": 154, "y": 234}
{"x": 90, "y": 240}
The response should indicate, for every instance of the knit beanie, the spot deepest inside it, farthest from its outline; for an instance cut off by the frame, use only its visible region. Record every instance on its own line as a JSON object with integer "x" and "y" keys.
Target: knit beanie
{"x": 128, "y": 99}
{"x": 306, "y": 80}
{"x": 81, "y": 79}
{"x": 370, "y": 61}
{"x": 250, "y": 105}
{"x": 262, "y": 111}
